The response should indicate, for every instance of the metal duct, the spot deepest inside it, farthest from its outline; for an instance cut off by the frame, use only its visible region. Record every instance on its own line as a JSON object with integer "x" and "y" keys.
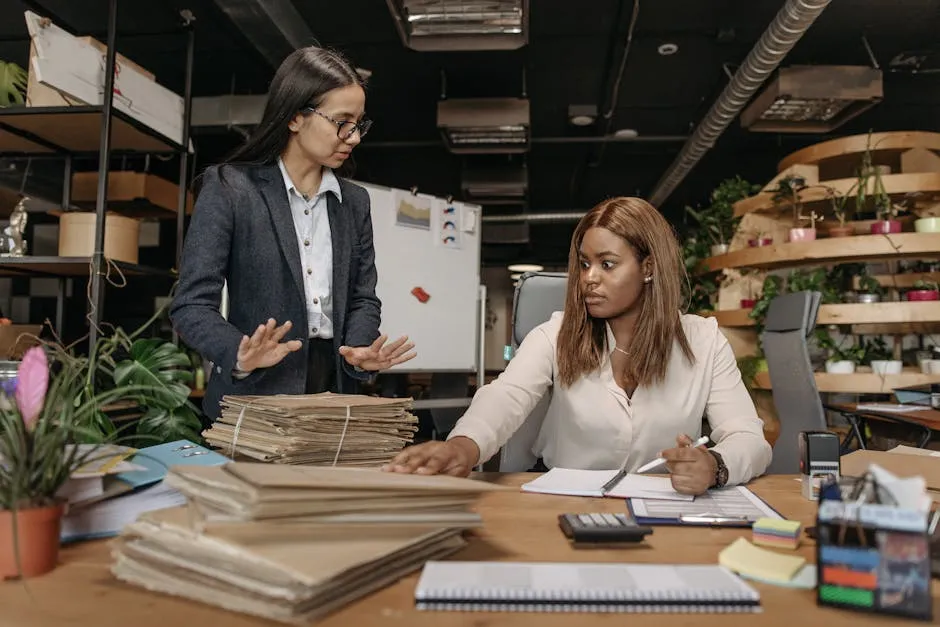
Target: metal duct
{"x": 559, "y": 216}
{"x": 274, "y": 27}
{"x": 793, "y": 20}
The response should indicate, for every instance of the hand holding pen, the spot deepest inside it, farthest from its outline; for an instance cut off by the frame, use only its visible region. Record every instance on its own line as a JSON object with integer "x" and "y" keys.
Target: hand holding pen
{"x": 692, "y": 468}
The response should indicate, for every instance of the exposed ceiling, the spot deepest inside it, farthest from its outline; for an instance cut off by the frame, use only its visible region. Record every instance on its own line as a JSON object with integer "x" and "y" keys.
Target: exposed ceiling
{"x": 572, "y": 56}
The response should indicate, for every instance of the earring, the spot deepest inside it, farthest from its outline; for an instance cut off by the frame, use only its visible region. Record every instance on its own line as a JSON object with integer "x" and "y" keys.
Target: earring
{"x": 648, "y": 279}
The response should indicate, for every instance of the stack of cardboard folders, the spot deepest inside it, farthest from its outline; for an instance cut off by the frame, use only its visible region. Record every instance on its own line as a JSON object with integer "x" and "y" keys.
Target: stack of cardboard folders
{"x": 332, "y": 429}
{"x": 292, "y": 543}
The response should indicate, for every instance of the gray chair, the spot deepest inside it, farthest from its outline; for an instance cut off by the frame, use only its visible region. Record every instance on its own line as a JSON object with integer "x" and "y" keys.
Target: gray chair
{"x": 538, "y": 295}
{"x": 791, "y": 318}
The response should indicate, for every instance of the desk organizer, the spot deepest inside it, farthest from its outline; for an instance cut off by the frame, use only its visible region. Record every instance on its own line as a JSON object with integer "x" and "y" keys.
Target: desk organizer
{"x": 873, "y": 557}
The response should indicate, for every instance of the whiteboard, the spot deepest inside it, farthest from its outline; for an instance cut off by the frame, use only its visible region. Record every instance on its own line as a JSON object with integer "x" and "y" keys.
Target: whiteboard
{"x": 425, "y": 242}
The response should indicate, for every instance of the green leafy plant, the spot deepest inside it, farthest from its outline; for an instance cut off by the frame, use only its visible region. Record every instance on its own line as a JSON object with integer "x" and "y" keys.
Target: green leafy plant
{"x": 839, "y": 203}
{"x": 772, "y": 287}
{"x": 717, "y": 220}
{"x": 13, "y": 81}
{"x": 751, "y": 366}
{"x": 853, "y": 351}
{"x": 876, "y": 350}
{"x": 923, "y": 284}
{"x": 815, "y": 281}
{"x": 787, "y": 194}
{"x": 869, "y": 184}
{"x": 868, "y": 284}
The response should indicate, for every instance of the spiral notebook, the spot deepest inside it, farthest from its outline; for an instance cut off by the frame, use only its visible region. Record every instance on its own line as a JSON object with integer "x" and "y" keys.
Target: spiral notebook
{"x": 582, "y": 587}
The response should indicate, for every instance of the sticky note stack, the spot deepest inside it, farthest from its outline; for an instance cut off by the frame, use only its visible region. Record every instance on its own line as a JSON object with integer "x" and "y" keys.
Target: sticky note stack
{"x": 775, "y": 533}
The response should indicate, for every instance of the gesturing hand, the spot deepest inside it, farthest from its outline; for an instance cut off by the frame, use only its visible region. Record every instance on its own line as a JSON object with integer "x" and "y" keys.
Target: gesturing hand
{"x": 264, "y": 348}
{"x": 692, "y": 469}
{"x": 379, "y": 355}
{"x": 455, "y": 457}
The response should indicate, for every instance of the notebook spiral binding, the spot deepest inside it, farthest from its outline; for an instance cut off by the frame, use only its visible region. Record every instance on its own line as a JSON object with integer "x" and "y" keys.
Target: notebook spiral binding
{"x": 562, "y": 601}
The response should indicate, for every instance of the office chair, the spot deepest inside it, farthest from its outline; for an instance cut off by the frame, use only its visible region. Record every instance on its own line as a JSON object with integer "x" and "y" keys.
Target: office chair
{"x": 538, "y": 295}
{"x": 791, "y": 318}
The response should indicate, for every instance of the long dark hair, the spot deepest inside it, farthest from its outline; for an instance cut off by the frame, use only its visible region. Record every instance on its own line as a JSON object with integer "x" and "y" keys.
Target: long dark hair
{"x": 302, "y": 80}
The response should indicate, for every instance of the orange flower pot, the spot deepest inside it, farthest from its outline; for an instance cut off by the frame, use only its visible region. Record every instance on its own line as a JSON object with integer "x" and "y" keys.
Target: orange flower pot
{"x": 38, "y": 530}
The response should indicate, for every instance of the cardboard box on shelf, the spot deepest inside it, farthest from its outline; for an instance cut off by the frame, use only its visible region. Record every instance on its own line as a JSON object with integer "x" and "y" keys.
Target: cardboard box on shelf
{"x": 16, "y": 338}
{"x": 130, "y": 186}
{"x": 77, "y": 236}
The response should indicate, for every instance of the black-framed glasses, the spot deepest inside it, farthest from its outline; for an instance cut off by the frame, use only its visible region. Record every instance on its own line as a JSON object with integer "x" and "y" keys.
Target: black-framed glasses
{"x": 345, "y": 128}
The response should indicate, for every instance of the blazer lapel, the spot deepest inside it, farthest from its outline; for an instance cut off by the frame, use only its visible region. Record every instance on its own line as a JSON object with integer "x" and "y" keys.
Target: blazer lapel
{"x": 275, "y": 197}
{"x": 341, "y": 236}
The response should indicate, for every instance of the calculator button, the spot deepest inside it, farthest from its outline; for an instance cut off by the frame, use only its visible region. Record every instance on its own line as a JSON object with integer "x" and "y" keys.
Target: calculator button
{"x": 612, "y": 520}
{"x": 598, "y": 519}
{"x": 586, "y": 520}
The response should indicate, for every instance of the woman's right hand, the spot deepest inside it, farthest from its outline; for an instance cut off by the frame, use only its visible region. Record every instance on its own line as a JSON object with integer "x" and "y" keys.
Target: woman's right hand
{"x": 264, "y": 348}
{"x": 455, "y": 457}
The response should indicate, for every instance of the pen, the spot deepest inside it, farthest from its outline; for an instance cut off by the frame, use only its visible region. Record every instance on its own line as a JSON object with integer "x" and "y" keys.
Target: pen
{"x": 659, "y": 460}
{"x": 610, "y": 485}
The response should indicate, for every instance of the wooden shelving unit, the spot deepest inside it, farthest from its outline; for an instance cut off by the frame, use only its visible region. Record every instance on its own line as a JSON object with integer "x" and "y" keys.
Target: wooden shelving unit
{"x": 860, "y": 382}
{"x": 71, "y": 267}
{"x": 851, "y": 313}
{"x": 864, "y": 248}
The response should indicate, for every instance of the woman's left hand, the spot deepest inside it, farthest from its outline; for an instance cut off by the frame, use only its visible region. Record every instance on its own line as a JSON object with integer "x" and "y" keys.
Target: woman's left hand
{"x": 380, "y": 355}
{"x": 692, "y": 469}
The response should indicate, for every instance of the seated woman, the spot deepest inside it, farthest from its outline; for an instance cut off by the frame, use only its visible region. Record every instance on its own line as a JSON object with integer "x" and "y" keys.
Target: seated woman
{"x": 630, "y": 376}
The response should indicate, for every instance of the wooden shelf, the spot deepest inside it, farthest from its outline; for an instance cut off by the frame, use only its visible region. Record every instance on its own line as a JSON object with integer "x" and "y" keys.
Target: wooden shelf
{"x": 851, "y": 313}
{"x": 131, "y": 194}
{"x": 890, "y": 142}
{"x": 838, "y": 250}
{"x": 896, "y": 185}
{"x": 902, "y": 281}
{"x": 860, "y": 382}
{"x": 75, "y": 130}
{"x": 68, "y": 267}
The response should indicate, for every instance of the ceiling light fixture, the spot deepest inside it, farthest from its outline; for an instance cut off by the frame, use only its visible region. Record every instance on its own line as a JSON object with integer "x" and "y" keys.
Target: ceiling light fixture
{"x": 582, "y": 115}
{"x": 484, "y": 125}
{"x": 626, "y": 133}
{"x": 525, "y": 267}
{"x": 461, "y": 24}
{"x": 668, "y": 49}
{"x": 813, "y": 98}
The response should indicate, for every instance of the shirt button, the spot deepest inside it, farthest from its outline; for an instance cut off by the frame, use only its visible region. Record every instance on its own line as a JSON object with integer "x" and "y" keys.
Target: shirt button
{"x": 306, "y": 212}
{"x": 316, "y": 301}
{"x": 306, "y": 242}
{"x": 309, "y": 270}
{"x": 315, "y": 329}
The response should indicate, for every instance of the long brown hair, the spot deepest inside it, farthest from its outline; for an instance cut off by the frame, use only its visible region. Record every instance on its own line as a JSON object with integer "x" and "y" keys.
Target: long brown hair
{"x": 582, "y": 340}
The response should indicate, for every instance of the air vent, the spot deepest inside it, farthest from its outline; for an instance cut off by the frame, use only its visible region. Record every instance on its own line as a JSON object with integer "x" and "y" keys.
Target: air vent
{"x": 813, "y": 99}
{"x": 448, "y": 25}
{"x": 485, "y": 125}
{"x": 495, "y": 185}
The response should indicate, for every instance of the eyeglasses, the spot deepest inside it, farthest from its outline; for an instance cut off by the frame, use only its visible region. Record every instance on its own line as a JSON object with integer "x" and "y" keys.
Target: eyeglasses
{"x": 345, "y": 128}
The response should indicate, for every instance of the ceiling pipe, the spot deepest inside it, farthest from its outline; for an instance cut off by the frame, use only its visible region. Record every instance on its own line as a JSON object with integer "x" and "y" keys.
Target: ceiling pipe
{"x": 558, "y": 216}
{"x": 647, "y": 139}
{"x": 793, "y": 20}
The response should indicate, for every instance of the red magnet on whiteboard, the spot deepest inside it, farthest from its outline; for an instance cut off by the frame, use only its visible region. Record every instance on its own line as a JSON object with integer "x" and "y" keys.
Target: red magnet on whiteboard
{"x": 420, "y": 294}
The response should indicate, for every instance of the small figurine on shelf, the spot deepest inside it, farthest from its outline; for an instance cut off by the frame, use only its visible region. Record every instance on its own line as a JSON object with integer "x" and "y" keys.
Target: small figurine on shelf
{"x": 12, "y": 244}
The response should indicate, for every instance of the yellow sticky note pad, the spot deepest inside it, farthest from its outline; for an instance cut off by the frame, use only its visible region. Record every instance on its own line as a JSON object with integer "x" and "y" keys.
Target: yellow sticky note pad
{"x": 743, "y": 557}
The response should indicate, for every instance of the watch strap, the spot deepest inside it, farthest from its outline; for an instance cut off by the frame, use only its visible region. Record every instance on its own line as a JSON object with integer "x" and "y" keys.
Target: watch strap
{"x": 721, "y": 470}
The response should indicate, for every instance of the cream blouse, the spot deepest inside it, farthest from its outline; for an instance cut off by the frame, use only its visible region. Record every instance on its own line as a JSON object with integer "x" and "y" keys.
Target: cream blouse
{"x": 594, "y": 425}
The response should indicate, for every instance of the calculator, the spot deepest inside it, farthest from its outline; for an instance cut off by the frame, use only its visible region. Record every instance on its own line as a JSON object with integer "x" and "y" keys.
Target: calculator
{"x": 594, "y": 528}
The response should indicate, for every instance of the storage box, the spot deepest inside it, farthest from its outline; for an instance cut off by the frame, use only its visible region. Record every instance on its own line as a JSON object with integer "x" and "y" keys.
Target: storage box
{"x": 77, "y": 236}
{"x": 138, "y": 188}
{"x": 39, "y": 95}
{"x": 16, "y": 338}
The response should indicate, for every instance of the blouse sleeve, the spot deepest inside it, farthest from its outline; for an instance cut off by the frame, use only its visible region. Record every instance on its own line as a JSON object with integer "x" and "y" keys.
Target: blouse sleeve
{"x": 736, "y": 429}
{"x": 499, "y": 408}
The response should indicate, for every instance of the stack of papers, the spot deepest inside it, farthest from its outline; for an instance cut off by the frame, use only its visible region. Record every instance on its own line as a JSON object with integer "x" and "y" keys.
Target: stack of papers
{"x": 328, "y": 429}
{"x": 276, "y": 541}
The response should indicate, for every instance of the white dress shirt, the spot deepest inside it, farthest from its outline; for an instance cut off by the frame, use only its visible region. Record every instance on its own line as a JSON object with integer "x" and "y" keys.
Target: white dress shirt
{"x": 312, "y": 225}
{"x": 594, "y": 425}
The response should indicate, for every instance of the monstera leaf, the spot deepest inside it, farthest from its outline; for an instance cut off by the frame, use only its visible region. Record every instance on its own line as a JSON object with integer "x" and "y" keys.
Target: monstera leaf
{"x": 169, "y": 425}
{"x": 162, "y": 367}
{"x": 12, "y": 84}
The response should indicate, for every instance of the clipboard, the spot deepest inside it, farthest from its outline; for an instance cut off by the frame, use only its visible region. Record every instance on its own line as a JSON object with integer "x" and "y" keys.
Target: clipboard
{"x": 699, "y": 516}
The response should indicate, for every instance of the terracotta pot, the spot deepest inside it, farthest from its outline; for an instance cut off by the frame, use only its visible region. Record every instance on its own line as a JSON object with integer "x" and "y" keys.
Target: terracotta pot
{"x": 38, "y": 532}
{"x": 886, "y": 227}
{"x": 841, "y": 231}
{"x": 920, "y": 295}
{"x": 748, "y": 303}
{"x": 802, "y": 235}
{"x": 760, "y": 241}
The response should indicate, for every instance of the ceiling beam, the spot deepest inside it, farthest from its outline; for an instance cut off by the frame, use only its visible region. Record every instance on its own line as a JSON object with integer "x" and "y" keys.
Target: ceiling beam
{"x": 274, "y": 27}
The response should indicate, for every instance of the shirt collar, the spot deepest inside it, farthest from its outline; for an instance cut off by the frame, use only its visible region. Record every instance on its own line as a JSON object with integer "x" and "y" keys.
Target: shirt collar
{"x": 329, "y": 182}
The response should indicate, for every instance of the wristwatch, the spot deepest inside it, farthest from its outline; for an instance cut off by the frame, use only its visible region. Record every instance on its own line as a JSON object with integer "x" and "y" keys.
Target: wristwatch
{"x": 721, "y": 471}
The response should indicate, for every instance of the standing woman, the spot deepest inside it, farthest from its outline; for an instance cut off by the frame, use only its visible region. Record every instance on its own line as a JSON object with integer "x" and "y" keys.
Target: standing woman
{"x": 294, "y": 244}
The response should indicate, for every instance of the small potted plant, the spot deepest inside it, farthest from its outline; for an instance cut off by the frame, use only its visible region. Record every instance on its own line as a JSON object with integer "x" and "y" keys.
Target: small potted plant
{"x": 923, "y": 290}
{"x": 40, "y": 420}
{"x": 788, "y": 195}
{"x": 870, "y": 183}
{"x": 869, "y": 289}
{"x": 760, "y": 239}
{"x": 718, "y": 220}
{"x": 839, "y": 203}
{"x": 843, "y": 358}
{"x": 927, "y": 224}
{"x": 880, "y": 359}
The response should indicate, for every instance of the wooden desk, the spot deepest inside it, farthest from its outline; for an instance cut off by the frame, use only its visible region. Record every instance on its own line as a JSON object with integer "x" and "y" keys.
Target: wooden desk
{"x": 518, "y": 526}
{"x": 928, "y": 420}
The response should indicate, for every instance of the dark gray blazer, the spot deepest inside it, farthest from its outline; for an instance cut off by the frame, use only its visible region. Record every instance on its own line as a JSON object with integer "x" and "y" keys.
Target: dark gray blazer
{"x": 242, "y": 231}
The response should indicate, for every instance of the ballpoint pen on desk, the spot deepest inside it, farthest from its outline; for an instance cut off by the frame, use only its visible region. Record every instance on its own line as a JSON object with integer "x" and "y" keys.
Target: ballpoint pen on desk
{"x": 660, "y": 461}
